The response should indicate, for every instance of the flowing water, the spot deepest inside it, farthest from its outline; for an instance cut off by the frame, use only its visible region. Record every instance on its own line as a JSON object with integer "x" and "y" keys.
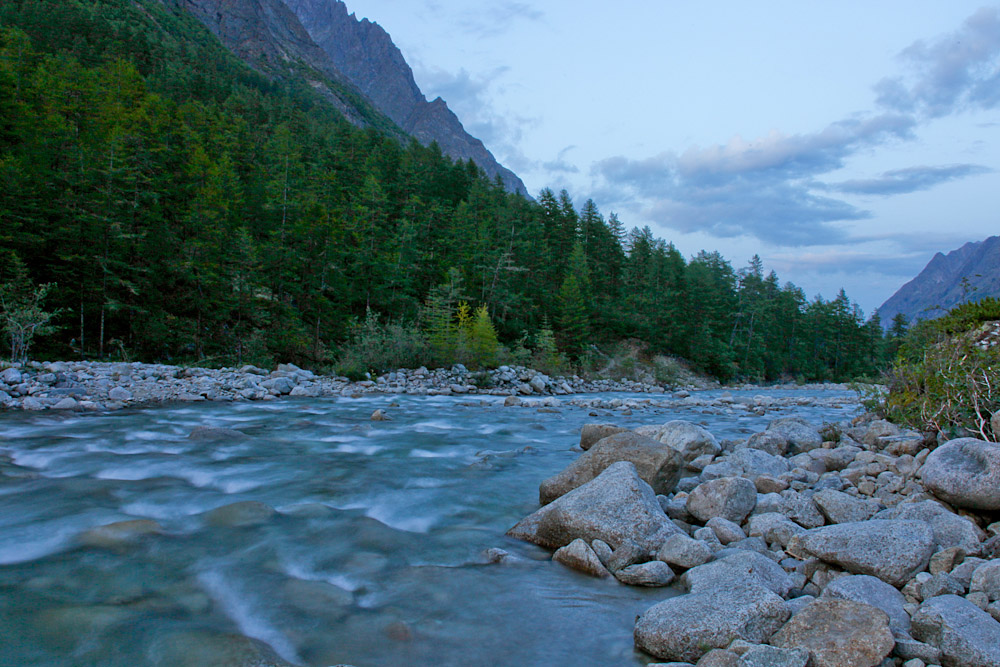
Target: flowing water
{"x": 374, "y": 556}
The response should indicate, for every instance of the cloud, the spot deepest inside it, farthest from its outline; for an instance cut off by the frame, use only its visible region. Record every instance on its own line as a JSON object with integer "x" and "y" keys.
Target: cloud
{"x": 763, "y": 188}
{"x": 912, "y": 179}
{"x": 957, "y": 72}
{"x": 497, "y": 18}
{"x": 560, "y": 164}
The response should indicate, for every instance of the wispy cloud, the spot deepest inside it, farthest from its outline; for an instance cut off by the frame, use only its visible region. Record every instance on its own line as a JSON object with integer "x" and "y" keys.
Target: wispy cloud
{"x": 560, "y": 164}
{"x": 497, "y": 17}
{"x": 763, "y": 188}
{"x": 911, "y": 179}
{"x": 958, "y": 71}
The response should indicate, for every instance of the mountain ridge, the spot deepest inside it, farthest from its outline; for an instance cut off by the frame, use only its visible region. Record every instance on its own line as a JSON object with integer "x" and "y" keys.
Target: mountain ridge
{"x": 365, "y": 53}
{"x": 968, "y": 273}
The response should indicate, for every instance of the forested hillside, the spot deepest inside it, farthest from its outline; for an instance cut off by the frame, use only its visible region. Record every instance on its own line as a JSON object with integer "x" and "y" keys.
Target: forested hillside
{"x": 188, "y": 208}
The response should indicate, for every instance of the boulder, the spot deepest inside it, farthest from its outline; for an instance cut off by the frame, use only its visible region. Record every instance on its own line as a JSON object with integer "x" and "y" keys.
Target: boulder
{"x": 801, "y": 509}
{"x": 657, "y": 465}
{"x": 986, "y": 579}
{"x": 771, "y": 442}
{"x": 950, "y": 529}
{"x": 651, "y": 574}
{"x": 966, "y": 473}
{"x": 871, "y": 591}
{"x": 774, "y": 528}
{"x": 725, "y": 530}
{"x": 579, "y": 556}
{"x": 749, "y": 463}
{"x": 731, "y": 498}
{"x": 614, "y": 507}
{"x": 689, "y": 439}
{"x": 966, "y": 635}
{"x": 838, "y": 633}
{"x": 772, "y": 656}
{"x": 800, "y": 434}
{"x": 839, "y": 507}
{"x": 738, "y": 565}
{"x": 688, "y": 626}
{"x": 215, "y": 433}
{"x": 893, "y": 550}
{"x": 592, "y": 433}
{"x": 682, "y": 551}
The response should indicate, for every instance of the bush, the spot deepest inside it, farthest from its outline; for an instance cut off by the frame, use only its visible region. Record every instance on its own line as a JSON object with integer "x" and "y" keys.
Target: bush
{"x": 375, "y": 348}
{"x": 947, "y": 378}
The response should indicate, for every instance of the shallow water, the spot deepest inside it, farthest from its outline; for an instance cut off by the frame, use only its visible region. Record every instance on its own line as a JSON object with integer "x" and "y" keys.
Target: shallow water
{"x": 373, "y": 558}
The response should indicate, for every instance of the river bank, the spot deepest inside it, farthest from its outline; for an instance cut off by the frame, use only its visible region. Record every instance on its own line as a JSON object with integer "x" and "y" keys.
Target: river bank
{"x": 101, "y": 386}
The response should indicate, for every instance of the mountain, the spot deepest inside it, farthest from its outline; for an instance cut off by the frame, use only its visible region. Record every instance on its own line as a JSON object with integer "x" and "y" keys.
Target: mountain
{"x": 354, "y": 64}
{"x": 366, "y": 55}
{"x": 966, "y": 274}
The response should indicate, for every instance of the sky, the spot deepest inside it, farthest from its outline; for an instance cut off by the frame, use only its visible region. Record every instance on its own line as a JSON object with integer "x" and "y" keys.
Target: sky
{"x": 845, "y": 143}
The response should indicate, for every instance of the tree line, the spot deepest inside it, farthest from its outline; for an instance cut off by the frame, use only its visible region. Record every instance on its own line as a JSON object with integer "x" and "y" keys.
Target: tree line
{"x": 183, "y": 207}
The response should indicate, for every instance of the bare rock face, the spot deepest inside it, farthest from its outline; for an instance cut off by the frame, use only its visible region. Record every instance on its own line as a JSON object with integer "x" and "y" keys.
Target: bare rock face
{"x": 615, "y": 507}
{"x": 839, "y": 633}
{"x": 966, "y": 473}
{"x": 893, "y": 551}
{"x": 658, "y": 465}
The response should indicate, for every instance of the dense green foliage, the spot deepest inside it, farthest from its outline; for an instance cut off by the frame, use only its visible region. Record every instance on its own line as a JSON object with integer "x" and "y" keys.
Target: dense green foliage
{"x": 189, "y": 208}
{"x": 947, "y": 375}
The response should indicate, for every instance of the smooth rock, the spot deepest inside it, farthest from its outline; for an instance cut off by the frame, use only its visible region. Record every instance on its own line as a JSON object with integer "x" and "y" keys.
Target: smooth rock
{"x": 731, "y": 498}
{"x": 771, "y": 442}
{"x": 966, "y": 635}
{"x": 941, "y": 583}
{"x": 119, "y": 535}
{"x": 614, "y": 507}
{"x": 738, "y": 566}
{"x": 772, "y": 656}
{"x": 871, "y": 591}
{"x": 966, "y": 473}
{"x": 650, "y": 574}
{"x": 215, "y": 433}
{"x": 774, "y": 528}
{"x": 689, "y": 439}
{"x": 839, "y": 507}
{"x": 657, "y": 465}
{"x": 590, "y": 434}
{"x": 580, "y": 556}
{"x": 986, "y": 579}
{"x": 682, "y": 551}
{"x": 950, "y": 529}
{"x": 838, "y": 633}
{"x": 380, "y": 415}
{"x": 892, "y": 550}
{"x": 800, "y": 434}
{"x": 727, "y": 531}
{"x": 688, "y": 626}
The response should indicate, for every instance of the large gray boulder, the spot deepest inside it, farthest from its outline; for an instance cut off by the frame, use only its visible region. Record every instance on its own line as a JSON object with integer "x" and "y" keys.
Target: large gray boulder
{"x": 614, "y": 507}
{"x": 739, "y": 565}
{"x": 657, "y": 465}
{"x": 591, "y": 434}
{"x": 950, "y": 529}
{"x": 872, "y": 591}
{"x": 771, "y": 442}
{"x": 800, "y": 434}
{"x": 749, "y": 463}
{"x": 966, "y": 473}
{"x": 839, "y": 507}
{"x": 731, "y": 498}
{"x": 893, "y": 551}
{"x": 966, "y": 635}
{"x": 689, "y": 439}
{"x": 685, "y": 627}
{"x": 775, "y": 528}
{"x": 579, "y": 556}
{"x": 838, "y": 633}
{"x": 772, "y": 656}
{"x": 986, "y": 579}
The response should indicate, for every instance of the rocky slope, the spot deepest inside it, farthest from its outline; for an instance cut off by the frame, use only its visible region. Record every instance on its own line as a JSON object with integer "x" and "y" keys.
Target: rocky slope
{"x": 366, "y": 55}
{"x": 858, "y": 544}
{"x": 939, "y": 287}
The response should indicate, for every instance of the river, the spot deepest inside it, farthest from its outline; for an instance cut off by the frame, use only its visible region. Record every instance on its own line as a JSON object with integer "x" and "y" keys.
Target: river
{"x": 374, "y": 556}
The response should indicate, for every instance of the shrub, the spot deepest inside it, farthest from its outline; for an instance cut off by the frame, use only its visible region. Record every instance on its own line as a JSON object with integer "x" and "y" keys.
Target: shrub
{"x": 375, "y": 347}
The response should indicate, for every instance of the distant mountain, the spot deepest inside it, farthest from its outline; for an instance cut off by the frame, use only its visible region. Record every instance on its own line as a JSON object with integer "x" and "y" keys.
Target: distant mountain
{"x": 967, "y": 274}
{"x": 354, "y": 64}
{"x": 366, "y": 55}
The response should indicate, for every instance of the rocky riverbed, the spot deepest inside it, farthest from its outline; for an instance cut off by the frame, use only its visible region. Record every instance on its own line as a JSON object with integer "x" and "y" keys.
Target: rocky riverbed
{"x": 858, "y": 545}
{"x": 98, "y": 386}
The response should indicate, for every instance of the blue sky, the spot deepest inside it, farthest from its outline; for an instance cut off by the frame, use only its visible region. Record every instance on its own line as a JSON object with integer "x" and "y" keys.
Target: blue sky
{"x": 845, "y": 143}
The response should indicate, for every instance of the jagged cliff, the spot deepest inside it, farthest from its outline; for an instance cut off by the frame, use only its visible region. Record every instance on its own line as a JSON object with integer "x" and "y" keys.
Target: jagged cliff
{"x": 354, "y": 64}
{"x": 968, "y": 273}
{"x": 366, "y": 55}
